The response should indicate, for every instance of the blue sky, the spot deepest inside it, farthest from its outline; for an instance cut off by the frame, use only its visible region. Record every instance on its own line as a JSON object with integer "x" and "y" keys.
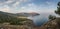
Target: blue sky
{"x": 16, "y": 6}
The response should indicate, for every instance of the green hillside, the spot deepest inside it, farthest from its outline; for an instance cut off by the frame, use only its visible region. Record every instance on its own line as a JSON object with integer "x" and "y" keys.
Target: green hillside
{"x": 5, "y": 18}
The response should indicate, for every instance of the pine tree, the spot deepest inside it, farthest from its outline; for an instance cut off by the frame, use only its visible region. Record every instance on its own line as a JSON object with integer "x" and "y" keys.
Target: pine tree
{"x": 58, "y": 9}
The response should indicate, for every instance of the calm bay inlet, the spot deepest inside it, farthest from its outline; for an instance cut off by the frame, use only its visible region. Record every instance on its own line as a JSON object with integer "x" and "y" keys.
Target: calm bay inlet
{"x": 40, "y": 19}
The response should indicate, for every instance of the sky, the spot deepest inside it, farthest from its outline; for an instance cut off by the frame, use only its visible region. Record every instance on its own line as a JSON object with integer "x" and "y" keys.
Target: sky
{"x": 17, "y": 6}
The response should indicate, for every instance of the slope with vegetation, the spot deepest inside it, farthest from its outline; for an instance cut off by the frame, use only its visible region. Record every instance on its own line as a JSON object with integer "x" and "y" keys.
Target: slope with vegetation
{"x": 10, "y": 21}
{"x": 5, "y": 18}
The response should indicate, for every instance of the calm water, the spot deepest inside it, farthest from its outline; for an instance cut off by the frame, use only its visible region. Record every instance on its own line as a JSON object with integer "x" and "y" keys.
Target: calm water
{"x": 40, "y": 19}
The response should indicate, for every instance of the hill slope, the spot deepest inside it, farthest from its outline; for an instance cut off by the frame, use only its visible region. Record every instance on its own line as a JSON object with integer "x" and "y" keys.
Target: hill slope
{"x": 53, "y": 24}
{"x": 10, "y": 21}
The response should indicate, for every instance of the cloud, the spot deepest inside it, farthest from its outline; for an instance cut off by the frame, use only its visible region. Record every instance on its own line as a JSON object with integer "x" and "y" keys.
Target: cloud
{"x": 31, "y": 7}
{"x": 5, "y": 9}
{"x": 14, "y": 6}
{"x": 11, "y": 5}
{"x": 9, "y": 1}
{"x": 12, "y": 2}
{"x": 49, "y": 3}
{"x": 47, "y": 7}
{"x": 24, "y": 0}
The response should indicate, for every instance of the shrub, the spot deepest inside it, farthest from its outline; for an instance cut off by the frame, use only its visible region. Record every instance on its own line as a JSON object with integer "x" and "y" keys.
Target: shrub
{"x": 52, "y": 17}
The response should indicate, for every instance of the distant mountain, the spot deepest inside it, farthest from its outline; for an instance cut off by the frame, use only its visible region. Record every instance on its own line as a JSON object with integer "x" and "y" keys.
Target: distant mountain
{"x": 6, "y": 13}
{"x": 27, "y": 14}
{"x": 22, "y": 14}
{"x": 9, "y": 14}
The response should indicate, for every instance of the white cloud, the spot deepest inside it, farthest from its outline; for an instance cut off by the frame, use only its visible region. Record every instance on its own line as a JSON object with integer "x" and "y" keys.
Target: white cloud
{"x": 5, "y": 9}
{"x": 24, "y": 0}
{"x": 31, "y": 4}
{"x": 10, "y": 5}
{"x": 31, "y": 7}
{"x": 28, "y": 8}
{"x": 9, "y": 1}
{"x": 49, "y": 3}
{"x": 16, "y": 4}
{"x": 34, "y": 8}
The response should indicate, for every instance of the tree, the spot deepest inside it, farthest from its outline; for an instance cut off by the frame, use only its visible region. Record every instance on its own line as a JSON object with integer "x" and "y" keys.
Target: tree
{"x": 51, "y": 17}
{"x": 58, "y": 9}
{"x": 58, "y": 12}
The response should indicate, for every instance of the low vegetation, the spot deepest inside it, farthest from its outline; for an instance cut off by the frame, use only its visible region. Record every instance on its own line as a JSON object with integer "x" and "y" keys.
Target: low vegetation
{"x": 51, "y": 17}
{"x": 11, "y": 19}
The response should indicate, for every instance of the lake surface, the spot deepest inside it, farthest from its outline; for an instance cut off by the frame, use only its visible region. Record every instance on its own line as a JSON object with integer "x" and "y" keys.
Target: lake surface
{"x": 40, "y": 19}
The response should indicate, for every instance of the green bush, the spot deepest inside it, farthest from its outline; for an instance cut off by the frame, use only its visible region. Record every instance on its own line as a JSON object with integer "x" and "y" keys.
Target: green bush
{"x": 52, "y": 17}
